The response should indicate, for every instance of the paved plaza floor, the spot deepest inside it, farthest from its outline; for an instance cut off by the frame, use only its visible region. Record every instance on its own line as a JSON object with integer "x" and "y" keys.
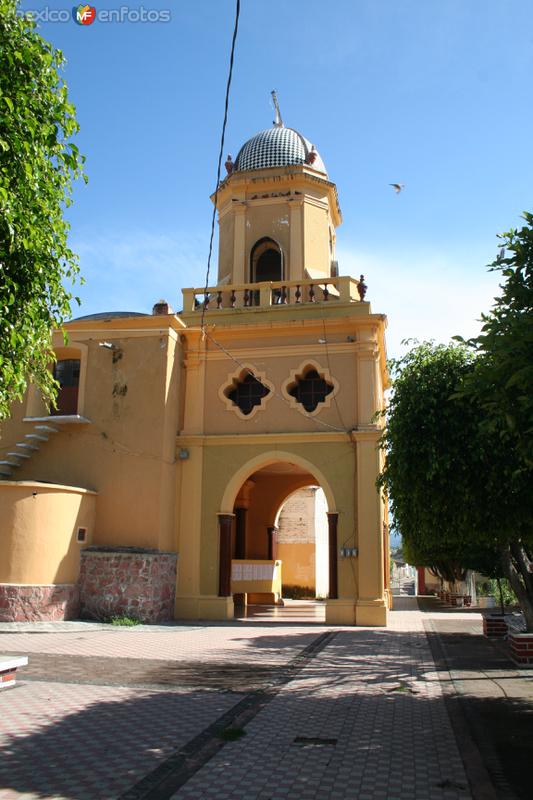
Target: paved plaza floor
{"x": 267, "y": 710}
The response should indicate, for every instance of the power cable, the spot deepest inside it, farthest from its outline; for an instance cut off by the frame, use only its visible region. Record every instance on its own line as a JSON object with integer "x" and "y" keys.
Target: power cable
{"x": 275, "y": 391}
{"x": 221, "y": 151}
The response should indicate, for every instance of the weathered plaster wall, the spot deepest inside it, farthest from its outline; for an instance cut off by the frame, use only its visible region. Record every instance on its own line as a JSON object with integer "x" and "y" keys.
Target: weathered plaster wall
{"x": 127, "y": 450}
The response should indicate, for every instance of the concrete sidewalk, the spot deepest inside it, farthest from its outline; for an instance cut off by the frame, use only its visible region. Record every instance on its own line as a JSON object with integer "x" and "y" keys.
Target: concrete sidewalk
{"x": 230, "y": 711}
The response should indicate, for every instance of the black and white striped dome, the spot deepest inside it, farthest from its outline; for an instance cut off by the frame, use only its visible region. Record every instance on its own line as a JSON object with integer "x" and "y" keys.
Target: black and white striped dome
{"x": 276, "y": 147}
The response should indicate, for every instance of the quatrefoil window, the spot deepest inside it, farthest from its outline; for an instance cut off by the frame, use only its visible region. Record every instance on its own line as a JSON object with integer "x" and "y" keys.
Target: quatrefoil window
{"x": 246, "y": 392}
{"x": 310, "y": 388}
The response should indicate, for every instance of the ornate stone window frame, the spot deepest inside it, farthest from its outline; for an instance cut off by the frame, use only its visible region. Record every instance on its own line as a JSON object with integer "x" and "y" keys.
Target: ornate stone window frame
{"x": 324, "y": 373}
{"x": 233, "y": 378}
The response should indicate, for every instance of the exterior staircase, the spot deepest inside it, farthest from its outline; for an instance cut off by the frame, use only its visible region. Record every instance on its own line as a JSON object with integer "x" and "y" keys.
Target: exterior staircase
{"x": 25, "y": 449}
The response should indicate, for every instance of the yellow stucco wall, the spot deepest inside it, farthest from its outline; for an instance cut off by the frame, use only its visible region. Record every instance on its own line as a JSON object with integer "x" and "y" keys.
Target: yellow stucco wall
{"x": 126, "y": 452}
{"x": 38, "y": 525}
{"x": 298, "y": 564}
{"x": 159, "y": 391}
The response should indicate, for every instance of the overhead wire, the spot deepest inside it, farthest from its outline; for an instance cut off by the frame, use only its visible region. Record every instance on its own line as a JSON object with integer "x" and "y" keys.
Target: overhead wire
{"x": 203, "y": 327}
{"x": 221, "y": 151}
{"x": 275, "y": 392}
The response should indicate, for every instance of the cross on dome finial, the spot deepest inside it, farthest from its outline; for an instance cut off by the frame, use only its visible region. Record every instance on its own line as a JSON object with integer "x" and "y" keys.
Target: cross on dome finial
{"x": 278, "y": 122}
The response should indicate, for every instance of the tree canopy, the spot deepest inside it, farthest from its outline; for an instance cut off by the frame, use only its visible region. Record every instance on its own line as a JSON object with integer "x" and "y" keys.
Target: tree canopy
{"x": 457, "y": 491}
{"x": 38, "y": 164}
{"x": 503, "y": 380}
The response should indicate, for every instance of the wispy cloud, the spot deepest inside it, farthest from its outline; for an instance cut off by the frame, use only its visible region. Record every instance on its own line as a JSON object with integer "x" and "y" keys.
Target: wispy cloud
{"x": 131, "y": 271}
{"x": 424, "y": 297}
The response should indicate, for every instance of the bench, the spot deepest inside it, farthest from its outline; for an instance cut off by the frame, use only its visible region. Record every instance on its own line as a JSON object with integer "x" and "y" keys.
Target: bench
{"x": 8, "y": 669}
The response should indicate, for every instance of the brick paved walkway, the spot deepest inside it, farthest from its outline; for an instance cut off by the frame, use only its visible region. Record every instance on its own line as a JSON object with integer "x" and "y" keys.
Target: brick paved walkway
{"x": 371, "y": 710}
{"x": 364, "y": 718}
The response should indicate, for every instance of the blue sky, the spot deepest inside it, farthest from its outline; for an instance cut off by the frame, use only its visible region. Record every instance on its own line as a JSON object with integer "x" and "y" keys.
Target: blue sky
{"x": 435, "y": 95}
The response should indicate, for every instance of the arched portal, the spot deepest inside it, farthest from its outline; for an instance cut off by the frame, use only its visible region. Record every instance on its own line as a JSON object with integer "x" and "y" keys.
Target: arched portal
{"x": 248, "y": 533}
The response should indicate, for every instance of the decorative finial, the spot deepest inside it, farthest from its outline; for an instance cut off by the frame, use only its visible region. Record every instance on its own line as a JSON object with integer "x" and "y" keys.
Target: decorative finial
{"x": 230, "y": 166}
{"x": 278, "y": 122}
{"x": 311, "y": 155}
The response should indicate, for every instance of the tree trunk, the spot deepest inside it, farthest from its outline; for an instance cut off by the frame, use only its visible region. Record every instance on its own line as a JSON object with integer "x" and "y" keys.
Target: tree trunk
{"x": 516, "y": 566}
{"x": 500, "y": 591}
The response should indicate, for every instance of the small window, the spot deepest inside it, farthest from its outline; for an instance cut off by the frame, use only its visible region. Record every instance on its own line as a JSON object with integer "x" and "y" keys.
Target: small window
{"x": 67, "y": 374}
{"x": 81, "y": 536}
{"x": 310, "y": 389}
{"x": 248, "y": 393}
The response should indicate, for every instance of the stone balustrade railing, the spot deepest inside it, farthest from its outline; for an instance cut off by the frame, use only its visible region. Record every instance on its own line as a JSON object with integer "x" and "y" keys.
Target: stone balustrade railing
{"x": 275, "y": 293}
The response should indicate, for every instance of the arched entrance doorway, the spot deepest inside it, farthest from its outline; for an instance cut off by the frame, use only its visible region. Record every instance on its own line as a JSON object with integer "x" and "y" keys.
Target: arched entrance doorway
{"x": 250, "y": 567}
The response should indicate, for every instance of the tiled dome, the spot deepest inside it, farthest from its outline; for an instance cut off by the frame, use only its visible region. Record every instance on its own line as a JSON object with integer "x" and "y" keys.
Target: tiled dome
{"x": 276, "y": 147}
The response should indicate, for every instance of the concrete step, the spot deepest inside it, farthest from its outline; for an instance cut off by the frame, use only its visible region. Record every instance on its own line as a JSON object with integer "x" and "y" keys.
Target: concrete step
{"x": 46, "y": 428}
{"x": 36, "y": 437}
{"x": 5, "y": 472}
{"x": 19, "y": 455}
{"x": 27, "y": 446}
{"x": 9, "y": 464}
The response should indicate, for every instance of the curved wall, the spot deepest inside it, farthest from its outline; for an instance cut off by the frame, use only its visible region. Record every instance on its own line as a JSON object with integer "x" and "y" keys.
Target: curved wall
{"x": 38, "y": 531}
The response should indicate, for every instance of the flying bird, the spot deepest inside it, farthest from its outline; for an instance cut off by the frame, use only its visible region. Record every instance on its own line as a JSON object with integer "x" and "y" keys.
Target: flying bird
{"x": 397, "y": 187}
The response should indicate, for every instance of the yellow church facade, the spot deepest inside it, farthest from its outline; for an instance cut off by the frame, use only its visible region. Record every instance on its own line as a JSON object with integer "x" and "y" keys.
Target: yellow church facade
{"x": 156, "y": 485}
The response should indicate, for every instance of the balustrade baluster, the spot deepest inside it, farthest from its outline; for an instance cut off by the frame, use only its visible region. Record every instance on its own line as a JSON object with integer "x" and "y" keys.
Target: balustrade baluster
{"x": 297, "y": 295}
{"x": 325, "y": 292}
{"x": 283, "y": 297}
{"x": 246, "y": 297}
{"x": 232, "y": 298}
{"x": 206, "y": 301}
{"x": 219, "y": 299}
{"x": 311, "y": 293}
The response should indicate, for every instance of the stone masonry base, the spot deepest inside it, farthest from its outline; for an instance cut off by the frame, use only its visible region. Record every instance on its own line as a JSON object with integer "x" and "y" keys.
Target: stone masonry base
{"x": 134, "y": 583}
{"x": 21, "y": 602}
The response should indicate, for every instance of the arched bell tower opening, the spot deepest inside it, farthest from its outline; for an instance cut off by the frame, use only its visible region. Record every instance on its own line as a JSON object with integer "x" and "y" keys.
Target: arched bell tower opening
{"x": 266, "y": 261}
{"x": 266, "y": 264}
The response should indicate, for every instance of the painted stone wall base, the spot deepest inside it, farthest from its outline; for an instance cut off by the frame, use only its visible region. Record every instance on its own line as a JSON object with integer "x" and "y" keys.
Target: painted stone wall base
{"x": 134, "y": 583}
{"x": 204, "y": 607}
{"x": 340, "y": 612}
{"x": 371, "y": 613}
{"x": 494, "y": 627}
{"x": 521, "y": 646}
{"x": 22, "y": 602}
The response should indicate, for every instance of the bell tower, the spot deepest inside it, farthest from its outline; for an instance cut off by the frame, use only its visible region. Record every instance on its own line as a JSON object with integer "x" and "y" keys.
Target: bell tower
{"x": 277, "y": 211}
{"x": 284, "y": 371}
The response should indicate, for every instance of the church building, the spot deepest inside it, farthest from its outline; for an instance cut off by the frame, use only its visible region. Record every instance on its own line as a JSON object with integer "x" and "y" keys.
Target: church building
{"x": 155, "y": 487}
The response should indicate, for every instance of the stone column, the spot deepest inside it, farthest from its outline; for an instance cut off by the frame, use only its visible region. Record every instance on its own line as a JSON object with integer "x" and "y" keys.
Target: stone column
{"x": 240, "y": 532}
{"x": 371, "y": 607}
{"x": 332, "y": 552}
{"x": 224, "y": 555}
{"x": 272, "y": 549}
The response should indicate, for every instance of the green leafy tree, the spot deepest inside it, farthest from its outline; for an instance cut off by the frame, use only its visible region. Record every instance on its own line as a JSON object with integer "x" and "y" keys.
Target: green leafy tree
{"x": 38, "y": 163}
{"x": 502, "y": 385}
{"x": 458, "y": 493}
